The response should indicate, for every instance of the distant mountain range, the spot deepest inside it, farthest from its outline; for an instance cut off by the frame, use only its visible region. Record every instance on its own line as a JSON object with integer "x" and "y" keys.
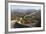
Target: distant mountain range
{"x": 24, "y": 12}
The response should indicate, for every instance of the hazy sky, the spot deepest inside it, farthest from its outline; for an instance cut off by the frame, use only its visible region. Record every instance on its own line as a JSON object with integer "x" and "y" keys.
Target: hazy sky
{"x": 14, "y": 7}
